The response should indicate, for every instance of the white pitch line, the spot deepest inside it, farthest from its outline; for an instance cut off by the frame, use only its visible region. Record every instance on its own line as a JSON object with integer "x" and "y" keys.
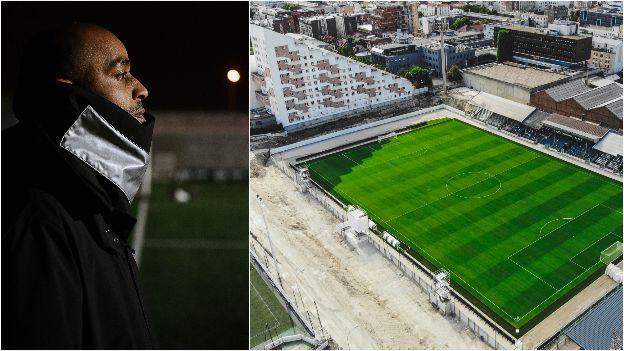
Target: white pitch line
{"x": 349, "y": 158}
{"x": 277, "y": 323}
{"x": 612, "y": 209}
{"x": 587, "y": 247}
{"x": 552, "y": 231}
{"x": 533, "y": 274}
{"x": 464, "y": 188}
{"x": 139, "y": 230}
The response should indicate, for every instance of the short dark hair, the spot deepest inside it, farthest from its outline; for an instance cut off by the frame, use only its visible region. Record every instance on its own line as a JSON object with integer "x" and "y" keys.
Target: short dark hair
{"x": 50, "y": 54}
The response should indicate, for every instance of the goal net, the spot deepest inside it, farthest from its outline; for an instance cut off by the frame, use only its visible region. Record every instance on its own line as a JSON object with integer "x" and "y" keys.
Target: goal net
{"x": 612, "y": 252}
{"x": 386, "y": 136}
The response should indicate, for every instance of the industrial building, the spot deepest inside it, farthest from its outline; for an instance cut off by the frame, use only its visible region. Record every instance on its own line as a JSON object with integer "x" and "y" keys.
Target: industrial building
{"x": 558, "y": 45}
{"x": 510, "y": 80}
{"x": 303, "y": 84}
{"x": 601, "y": 105}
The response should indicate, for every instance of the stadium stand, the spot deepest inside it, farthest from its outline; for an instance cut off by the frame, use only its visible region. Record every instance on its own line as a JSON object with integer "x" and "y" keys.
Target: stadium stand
{"x": 600, "y": 328}
{"x": 572, "y": 136}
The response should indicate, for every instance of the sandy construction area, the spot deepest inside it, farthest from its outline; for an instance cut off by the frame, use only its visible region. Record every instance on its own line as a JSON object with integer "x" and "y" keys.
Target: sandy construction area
{"x": 364, "y": 301}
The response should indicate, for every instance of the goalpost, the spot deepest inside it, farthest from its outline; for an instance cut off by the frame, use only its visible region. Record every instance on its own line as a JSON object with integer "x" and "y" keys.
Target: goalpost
{"x": 611, "y": 253}
{"x": 386, "y": 136}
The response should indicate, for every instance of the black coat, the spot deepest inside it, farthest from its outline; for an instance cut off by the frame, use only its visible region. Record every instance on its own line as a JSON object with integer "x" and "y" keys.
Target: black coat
{"x": 69, "y": 279}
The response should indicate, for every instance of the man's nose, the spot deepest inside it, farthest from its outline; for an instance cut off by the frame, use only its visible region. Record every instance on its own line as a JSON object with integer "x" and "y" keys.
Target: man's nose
{"x": 139, "y": 91}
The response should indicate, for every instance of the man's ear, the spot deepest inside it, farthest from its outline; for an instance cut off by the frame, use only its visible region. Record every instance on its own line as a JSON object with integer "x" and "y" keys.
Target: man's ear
{"x": 62, "y": 80}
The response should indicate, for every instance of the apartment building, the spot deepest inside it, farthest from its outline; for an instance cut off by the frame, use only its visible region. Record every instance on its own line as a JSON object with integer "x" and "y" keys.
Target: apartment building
{"x": 303, "y": 84}
{"x": 606, "y": 54}
{"x": 388, "y": 18}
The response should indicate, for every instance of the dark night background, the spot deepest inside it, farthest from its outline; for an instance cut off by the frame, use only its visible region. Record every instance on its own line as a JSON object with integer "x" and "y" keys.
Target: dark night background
{"x": 181, "y": 51}
{"x": 194, "y": 265}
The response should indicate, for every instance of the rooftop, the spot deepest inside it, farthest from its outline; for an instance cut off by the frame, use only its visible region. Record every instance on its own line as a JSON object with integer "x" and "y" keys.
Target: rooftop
{"x": 524, "y": 76}
{"x": 595, "y": 329}
{"x": 610, "y": 144}
{"x": 567, "y": 90}
{"x": 577, "y": 127}
{"x": 600, "y": 96}
{"x": 504, "y": 107}
{"x": 540, "y": 31}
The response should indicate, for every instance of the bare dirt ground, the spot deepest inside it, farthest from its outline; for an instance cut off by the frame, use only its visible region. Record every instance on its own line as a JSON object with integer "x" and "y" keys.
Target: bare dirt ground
{"x": 364, "y": 301}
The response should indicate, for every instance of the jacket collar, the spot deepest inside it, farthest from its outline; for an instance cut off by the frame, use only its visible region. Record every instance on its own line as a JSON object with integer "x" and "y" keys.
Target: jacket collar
{"x": 76, "y": 171}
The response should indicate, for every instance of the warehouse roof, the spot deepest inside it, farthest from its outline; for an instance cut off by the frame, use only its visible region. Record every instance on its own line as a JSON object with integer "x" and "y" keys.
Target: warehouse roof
{"x": 524, "y": 76}
{"x": 576, "y": 127}
{"x": 599, "y": 96}
{"x": 610, "y": 144}
{"x": 567, "y": 90}
{"x": 615, "y": 107}
{"x": 595, "y": 329}
{"x": 502, "y": 106}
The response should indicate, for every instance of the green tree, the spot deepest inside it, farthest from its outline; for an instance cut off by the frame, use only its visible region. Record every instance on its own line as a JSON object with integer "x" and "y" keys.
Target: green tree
{"x": 346, "y": 50}
{"x": 454, "y": 74}
{"x": 503, "y": 46}
{"x": 291, "y": 7}
{"x": 418, "y": 76}
{"x": 460, "y": 22}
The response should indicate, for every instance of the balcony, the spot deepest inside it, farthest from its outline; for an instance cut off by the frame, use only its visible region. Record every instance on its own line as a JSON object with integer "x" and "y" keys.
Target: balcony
{"x": 282, "y": 51}
{"x": 289, "y": 92}
{"x": 326, "y": 66}
{"x": 361, "y": 77}
{"x": 262, "y": 98}
{"x": 257, "y": 78}
{"x": 324, "y": 78}
{"x": 333, "y": 92}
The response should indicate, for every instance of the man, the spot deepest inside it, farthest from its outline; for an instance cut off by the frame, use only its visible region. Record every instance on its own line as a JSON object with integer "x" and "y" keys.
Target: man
{"x": 72, "y": 166}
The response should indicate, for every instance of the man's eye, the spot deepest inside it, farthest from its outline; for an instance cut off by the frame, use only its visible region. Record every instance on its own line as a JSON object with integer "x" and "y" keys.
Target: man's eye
{"x": 122, "y": 75}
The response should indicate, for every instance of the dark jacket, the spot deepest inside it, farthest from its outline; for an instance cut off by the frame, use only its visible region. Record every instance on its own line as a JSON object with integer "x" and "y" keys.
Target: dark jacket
{"x": 69, "y": 279}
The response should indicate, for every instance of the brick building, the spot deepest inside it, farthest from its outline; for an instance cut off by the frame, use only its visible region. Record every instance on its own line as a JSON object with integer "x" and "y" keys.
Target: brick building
{"x": 388, "y": 18}
{"x": 602, "y": 105}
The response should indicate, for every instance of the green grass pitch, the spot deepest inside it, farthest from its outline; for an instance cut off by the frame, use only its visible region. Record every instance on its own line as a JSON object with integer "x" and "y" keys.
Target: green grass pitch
{"x": 268, "y": 317}
{"x": 198, "y": 295}
{"x": 517, "y": 229}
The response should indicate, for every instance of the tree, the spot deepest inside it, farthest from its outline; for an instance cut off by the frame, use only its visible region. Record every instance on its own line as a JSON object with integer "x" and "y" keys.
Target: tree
{"x": 418, "y": 76}
{"x": 575, "y": 15}
{"x": 454, "y": 74}
{"x": 291, "y": 7}
{"x": 503, "y": 46}
{"x": 460, "y": 22}
{"x": 346, "y": 50}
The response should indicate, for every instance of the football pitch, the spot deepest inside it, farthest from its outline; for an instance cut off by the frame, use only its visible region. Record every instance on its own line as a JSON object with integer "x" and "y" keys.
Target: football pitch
{"x": 518, "y": 230}
{"x": 268, "y": 317}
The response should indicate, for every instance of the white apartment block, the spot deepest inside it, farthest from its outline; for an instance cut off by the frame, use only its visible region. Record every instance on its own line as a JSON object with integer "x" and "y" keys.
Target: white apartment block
{"x": 540, "y": 21}
{"x": 607, "y": 54}
{"x": 435, "y": 9}
{"x": 303, "y": 84}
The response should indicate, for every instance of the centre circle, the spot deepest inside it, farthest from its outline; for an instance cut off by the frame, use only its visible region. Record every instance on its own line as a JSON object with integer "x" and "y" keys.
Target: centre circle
{"x": 473, "y": 185}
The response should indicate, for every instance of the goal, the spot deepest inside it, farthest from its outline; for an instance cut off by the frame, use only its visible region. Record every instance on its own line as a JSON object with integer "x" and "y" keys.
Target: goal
{"x": 612, "y": 252}
{"x": 386, "y": 136}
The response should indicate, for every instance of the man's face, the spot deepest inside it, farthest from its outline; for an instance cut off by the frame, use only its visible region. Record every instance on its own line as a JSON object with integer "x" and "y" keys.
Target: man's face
{"x": 107, "y": 72}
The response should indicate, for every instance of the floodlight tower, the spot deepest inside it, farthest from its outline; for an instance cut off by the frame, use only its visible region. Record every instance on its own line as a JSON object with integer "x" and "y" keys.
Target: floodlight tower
{"x": 442, "y": 25}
